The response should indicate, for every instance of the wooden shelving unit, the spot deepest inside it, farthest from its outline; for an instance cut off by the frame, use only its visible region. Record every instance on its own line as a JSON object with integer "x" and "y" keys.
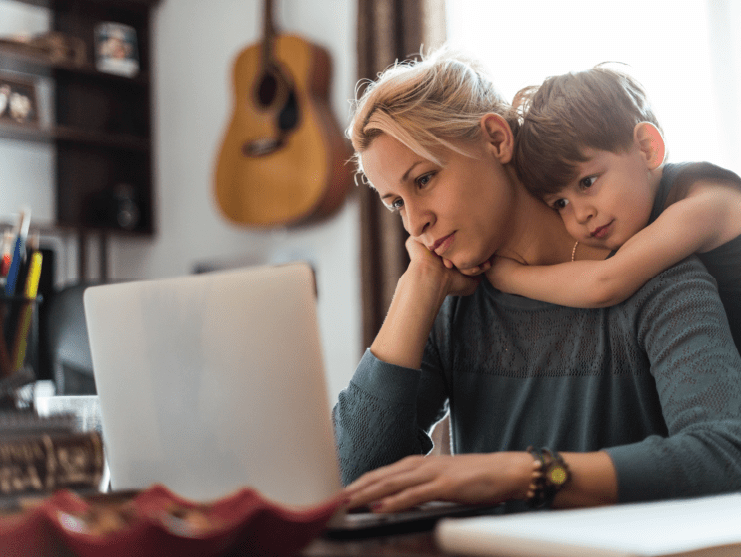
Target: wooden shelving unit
{"x": 101, "y": 125}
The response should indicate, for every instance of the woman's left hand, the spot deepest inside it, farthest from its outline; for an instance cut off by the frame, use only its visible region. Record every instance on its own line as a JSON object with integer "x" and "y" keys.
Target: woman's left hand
{"x": 469, "y": 479}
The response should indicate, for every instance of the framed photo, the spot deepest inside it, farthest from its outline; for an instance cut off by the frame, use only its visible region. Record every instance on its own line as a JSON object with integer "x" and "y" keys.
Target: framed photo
{"x": 18, "y": 102}
{"x": 116, "y": 49}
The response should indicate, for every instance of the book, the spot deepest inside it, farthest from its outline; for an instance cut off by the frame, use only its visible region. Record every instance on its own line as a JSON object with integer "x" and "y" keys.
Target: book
{"x": 698, "y": 527}
{"x": 49, "y": 460}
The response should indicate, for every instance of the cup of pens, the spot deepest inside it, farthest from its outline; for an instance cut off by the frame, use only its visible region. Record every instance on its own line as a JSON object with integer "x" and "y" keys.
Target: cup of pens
{"x": 20, "y": 272}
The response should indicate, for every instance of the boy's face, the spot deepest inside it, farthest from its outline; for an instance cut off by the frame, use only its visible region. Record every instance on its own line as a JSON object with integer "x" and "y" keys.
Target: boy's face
{"x": 610, "y": 200}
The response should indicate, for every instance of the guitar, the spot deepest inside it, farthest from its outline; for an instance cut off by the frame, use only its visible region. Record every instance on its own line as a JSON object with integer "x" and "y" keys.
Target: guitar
{"x": 283, "y": 158}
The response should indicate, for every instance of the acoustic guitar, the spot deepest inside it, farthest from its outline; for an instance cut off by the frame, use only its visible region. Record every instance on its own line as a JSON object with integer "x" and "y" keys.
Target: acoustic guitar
{"x": 283, "y": 158}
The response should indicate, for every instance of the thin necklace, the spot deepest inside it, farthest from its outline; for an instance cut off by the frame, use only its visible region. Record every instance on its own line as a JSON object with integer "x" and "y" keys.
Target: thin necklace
{"x": 573, "y": 251}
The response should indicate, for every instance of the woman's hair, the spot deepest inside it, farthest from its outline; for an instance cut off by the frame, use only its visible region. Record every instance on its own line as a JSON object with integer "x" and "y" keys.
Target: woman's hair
{"x": 426, "y": 105}
{"x": 597, "y": 108}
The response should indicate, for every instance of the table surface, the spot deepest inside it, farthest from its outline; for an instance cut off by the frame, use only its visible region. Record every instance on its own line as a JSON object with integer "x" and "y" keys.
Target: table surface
{"x": 416, "y": 544}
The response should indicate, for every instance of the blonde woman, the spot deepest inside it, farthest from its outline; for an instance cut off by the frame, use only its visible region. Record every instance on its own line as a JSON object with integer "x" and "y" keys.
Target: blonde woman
{"x": 549, "y": 405}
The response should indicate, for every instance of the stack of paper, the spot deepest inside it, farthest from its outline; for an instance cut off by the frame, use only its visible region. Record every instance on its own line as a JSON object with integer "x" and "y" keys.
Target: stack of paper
{"x": 700, "y": 527}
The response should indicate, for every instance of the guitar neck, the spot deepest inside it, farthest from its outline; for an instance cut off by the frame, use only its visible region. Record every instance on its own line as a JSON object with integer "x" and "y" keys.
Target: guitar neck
{"x": 268, "y": 33}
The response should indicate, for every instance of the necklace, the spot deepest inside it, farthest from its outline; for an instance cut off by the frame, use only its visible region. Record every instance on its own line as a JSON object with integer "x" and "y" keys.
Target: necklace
{"x": 573, "y": 251}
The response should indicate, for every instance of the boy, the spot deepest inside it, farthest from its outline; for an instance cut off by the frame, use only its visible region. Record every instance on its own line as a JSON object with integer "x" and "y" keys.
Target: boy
{"x": 591, "y": 147}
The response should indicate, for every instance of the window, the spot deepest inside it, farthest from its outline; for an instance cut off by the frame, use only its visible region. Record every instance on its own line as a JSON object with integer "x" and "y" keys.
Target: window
{"x": 683, "y": 51}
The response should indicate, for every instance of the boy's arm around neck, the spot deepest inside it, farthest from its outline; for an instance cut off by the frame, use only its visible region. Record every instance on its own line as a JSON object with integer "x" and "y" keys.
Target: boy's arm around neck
{"x": 697, "y": 223}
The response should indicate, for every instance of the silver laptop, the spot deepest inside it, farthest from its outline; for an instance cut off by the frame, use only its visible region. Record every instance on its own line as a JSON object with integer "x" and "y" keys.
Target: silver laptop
{"x": 210, "y": 383}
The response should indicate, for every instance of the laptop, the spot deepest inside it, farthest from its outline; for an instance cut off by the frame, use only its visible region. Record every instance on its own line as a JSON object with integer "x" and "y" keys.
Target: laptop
{"x": 209, "y": 383}
{"x": 213, "y": 382}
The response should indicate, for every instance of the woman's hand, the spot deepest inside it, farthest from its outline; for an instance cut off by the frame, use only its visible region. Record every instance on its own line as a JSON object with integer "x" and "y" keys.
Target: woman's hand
{"x": 454, "y": 281}
{"x": 470, "y": 479}
{"x": 501, "y": 272}
{"x": 419, "y": 294}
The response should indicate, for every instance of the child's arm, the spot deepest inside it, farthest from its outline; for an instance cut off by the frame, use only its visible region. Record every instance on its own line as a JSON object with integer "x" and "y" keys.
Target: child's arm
{"x": 708, "y": 217}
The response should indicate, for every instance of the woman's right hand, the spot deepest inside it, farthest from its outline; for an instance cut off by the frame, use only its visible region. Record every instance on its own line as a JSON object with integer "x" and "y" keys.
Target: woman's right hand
{"x": 434, "y": 267}
{"x": 417, "y": 299}
{"x": 466, "y": 478}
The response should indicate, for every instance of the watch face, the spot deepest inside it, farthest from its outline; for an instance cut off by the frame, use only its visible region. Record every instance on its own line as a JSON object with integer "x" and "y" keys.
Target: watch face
{"x": 558, "y": 475}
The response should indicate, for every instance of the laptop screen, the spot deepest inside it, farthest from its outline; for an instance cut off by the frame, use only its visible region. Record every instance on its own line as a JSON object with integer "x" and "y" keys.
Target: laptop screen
{"x": 213, "y": 382}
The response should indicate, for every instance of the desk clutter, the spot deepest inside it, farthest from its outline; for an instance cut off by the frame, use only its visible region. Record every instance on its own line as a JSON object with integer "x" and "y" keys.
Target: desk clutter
{"x": 37, "y": 453}
{"x": 19, "y": 277}
{"x": 40, "y": 455}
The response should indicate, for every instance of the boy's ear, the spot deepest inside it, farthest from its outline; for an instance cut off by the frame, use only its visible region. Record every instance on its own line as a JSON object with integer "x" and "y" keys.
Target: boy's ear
{"x": 498, "y": 137}
{"x": 651, "y": 143}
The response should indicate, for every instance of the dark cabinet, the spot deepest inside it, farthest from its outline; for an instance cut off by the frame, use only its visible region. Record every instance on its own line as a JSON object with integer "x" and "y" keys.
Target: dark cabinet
{"x": 101, "y": 123}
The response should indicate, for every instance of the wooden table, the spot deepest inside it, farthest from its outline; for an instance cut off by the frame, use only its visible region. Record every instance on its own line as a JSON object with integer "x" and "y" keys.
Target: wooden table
{"x": 416, "y": 544}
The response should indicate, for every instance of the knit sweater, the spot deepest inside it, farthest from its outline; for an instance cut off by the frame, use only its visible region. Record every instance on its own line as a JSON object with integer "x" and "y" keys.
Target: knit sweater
{"x": 655, "y": 381}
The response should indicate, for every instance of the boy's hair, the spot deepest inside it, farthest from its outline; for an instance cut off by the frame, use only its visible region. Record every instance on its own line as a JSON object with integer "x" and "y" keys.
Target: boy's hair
{"x": 427, "y": 103}
{"x": 597, "y": 108}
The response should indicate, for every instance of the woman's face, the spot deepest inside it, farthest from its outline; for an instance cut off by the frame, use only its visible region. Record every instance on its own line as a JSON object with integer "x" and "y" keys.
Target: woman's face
{"x": 460, "y": 211}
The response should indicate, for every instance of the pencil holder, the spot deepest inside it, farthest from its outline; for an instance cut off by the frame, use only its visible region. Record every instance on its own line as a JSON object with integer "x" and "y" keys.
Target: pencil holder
{"x": 19, "y": 322}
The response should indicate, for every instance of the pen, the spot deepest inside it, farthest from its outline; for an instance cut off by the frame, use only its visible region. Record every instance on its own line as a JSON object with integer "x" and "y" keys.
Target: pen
{"x": 21, "y": 336}
{"x": 5, "y": 365}
{"x": 34, "y": 270}
{"x": 18, "y": 252}
{"x": 31, "y": 289}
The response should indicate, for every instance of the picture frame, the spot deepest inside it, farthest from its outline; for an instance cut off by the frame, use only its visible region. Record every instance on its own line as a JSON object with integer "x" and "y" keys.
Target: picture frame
{"x": 116, "y": 49}
{"x": 18, "y": 102}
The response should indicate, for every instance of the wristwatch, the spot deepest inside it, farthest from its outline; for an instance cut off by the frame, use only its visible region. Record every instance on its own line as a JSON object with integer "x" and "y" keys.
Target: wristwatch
{"x": 550, "y": 474}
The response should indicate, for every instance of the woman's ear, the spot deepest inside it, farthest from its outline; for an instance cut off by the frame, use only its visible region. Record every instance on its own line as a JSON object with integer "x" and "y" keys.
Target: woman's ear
{"x": 498, "y": 137}
{"x": 651, "y": 143}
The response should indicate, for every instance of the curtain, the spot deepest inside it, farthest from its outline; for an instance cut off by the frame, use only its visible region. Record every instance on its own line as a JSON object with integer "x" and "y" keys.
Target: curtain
{"x": 388, "y": 30}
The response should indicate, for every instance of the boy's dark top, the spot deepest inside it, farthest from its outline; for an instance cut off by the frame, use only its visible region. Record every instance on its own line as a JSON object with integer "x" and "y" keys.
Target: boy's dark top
{"x": 724, "y": 262}
{"x": 656, "y": 380}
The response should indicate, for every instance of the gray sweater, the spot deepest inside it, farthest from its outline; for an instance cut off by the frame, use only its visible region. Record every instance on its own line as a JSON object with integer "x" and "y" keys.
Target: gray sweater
{"x": 656, "y": 381}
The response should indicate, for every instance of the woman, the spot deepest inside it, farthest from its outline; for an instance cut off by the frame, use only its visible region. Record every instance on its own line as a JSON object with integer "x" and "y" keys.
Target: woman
{"x": 638, "y": 401}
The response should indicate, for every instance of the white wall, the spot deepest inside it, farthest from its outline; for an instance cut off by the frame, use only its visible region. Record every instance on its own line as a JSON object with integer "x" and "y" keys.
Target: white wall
{"x": 687, "y": 53}
{"x": 194, "y": 43}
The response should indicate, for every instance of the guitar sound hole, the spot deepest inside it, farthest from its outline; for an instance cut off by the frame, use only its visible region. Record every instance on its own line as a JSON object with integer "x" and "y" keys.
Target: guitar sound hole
{"x": 267, "y": 89}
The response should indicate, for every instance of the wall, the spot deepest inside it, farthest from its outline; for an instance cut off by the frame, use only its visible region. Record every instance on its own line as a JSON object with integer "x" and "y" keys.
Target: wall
{"x": 194, "y": 43}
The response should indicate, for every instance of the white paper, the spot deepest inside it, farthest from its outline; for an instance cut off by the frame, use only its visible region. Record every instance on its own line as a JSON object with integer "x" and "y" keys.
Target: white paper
{"x": 645, "y": 529}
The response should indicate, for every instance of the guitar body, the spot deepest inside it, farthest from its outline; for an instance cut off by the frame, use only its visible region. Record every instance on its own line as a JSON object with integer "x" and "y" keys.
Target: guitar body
{"x": 283, "y": 158}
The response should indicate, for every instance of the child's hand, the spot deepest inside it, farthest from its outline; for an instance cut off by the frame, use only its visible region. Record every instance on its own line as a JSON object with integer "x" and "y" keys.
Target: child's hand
{"x": 473, "y": 271}
{"x": 501, "y": 272}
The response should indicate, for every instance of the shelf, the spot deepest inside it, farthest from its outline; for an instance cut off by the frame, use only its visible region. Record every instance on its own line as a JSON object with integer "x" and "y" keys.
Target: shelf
{"x": 14, "y": 60}
{"x": 39, "y": 3}
{"x": 24, "y": 133}
{"x": 129, "y": 4}
{"x": 17, "y": 61}
{"x": 100, "y": 139}
{"x": 46, "y": 228}
{"x": 60, "y": 229}
{"x": 98, "y": 123}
